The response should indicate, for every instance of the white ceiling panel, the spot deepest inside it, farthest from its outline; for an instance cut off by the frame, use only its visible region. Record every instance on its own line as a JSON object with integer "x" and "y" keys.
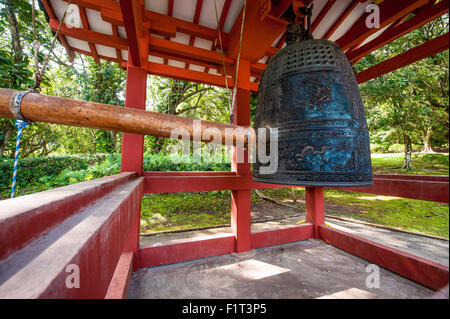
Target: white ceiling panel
{"x": 79, "y": 44}
{"x": 202, "y": 43}
{"x": 155, "y": 59}
{"x": 96, "y": 23}
{"x": 196, "y": 68}
{"x": 160, "y": 6}
{"x": 178, "y": 64}
{"x": 208, "y": 16}
{"x": 235, "y": 9}
{"x": 106, "y": 51}
{"x": 181, "y": 38}
{"x": 184, "y": 9}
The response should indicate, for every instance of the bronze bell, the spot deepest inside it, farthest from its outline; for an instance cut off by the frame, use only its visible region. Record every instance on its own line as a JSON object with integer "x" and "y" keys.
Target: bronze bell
{"x": 309, "y": 93}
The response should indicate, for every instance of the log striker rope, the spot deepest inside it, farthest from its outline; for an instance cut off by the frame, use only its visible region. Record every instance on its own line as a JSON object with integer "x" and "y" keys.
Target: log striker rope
{"x": 16, "y": 101}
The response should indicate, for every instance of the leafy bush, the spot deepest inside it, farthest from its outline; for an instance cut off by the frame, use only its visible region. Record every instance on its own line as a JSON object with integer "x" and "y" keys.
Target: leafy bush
{"x": 378, "y": 148}
{"x": 32, "y": 170}
{"x": 396, "y": 148}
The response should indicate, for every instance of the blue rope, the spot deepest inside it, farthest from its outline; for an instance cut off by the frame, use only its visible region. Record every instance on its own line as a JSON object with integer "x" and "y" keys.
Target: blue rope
{"x": 20, "y": 125}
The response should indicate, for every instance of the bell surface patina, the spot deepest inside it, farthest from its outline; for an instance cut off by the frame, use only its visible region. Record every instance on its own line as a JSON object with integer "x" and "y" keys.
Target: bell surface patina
{"x": 310, "y": 94}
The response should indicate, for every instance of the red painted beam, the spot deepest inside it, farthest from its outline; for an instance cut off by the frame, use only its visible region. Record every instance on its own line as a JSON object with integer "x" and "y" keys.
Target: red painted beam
{"x": 194, "y": 248}
{"x": 315, "y": 208}
{"x": 25, "y": 218}
{"x": 115, "y": 33}
{"x": 423, "y": 271}
{"x": 132, "y": 19}
{"x": 86, "y": 27}
{"x": 431, "y": 188}
{"x": 169, "y": 13}
{"x": 423, "y": 51}
{"x": 120, "y": 282}
{"x": 259, "y": 32}
{"x": 436, "y": 191}
{"x": 191, "y": 75}
{"x": 281, "y": 235}
{"x": 89, "y": 35}
{"x": 425, "y": 15}
{"x": 133, "y": 144}
{"x": 186, "y": 249}
{"x": 390, "y": 11}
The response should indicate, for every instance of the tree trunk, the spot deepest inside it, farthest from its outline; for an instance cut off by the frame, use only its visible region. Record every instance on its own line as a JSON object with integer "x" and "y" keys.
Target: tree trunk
{"x": 113, "y": 139}
{"x": 13, "y": 28}
{"x": 407, "y": 142}
{"x": 294, "y": 200}
{"x": 8, "y": 130}
{"x": 427, "y": 147}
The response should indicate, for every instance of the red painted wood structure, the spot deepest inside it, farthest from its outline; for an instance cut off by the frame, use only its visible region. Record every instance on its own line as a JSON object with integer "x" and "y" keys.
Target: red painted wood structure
{"x": 95, "y": 224}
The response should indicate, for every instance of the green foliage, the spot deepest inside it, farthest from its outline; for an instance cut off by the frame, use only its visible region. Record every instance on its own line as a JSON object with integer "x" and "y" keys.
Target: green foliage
{"x": 164, "y": 163}
{"x": 410, "y": 101}
{"x": 35, "y": 171}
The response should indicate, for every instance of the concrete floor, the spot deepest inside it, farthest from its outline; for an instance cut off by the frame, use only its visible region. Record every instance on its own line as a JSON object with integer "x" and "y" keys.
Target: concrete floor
{"x": 306, "y": 269}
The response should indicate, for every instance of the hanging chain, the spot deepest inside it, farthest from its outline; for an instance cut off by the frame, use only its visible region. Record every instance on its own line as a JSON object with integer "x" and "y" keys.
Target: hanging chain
{"x": 36, "y": 45}
{"x": 223, "y": 57}
{"x": 233, "y": 98}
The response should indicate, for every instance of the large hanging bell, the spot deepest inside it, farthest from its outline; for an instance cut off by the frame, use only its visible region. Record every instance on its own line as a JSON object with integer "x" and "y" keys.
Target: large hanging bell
{"x": 309, "y": 93}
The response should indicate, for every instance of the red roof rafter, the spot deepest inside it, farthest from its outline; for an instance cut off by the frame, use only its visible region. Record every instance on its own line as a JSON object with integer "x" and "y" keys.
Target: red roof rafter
{"x": 190, "y": 75}
{"x": 169, "y": 13}
{"x": 425, "y": 50}
{"x": 85, "y": 23}
{"x": 132, "y": 16}
{"x": 260, "y": 31}
{"x": 118, "y": 52}
{"x": 427, "y": 14}
{"x": 51, "y": 13}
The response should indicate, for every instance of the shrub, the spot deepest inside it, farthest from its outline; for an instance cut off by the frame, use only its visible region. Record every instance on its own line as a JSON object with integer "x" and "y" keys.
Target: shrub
{"x": 32, "y": 170}
{"x": 396, "y": 148}
{"x": 378, "y": 148}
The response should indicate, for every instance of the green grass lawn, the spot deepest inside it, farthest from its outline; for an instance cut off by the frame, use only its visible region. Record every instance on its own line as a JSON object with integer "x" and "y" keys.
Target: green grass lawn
{"x": 190, "y": 210}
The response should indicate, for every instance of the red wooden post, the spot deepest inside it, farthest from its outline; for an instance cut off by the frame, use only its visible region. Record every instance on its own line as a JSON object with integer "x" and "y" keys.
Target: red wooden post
{"x": 133, "y": 148}
{"x": 133, "y": 144}
{"x": 240, "y": 199}
{"x": 315, "y": 208}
